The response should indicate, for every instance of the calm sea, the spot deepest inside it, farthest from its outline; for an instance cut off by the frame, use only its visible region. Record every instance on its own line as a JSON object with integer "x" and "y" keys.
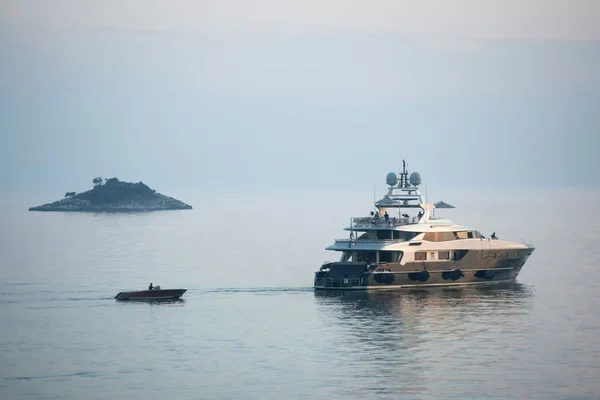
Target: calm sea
{"x": 251, "y": 327}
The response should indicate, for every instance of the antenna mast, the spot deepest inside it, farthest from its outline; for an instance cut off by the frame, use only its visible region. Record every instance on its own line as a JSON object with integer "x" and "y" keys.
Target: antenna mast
{"x": 403, "y": 176}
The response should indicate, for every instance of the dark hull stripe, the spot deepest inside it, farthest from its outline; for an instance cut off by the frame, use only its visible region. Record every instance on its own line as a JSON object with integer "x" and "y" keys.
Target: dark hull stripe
{"x": 150, "y": 298}
{"x": 439, "y": 270}
{"x": 410, "y": 286}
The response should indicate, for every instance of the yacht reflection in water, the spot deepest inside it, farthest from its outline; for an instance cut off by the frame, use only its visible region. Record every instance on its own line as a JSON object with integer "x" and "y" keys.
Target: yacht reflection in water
{"x": 443, "y": 301}
{"x": 430, "y": 338}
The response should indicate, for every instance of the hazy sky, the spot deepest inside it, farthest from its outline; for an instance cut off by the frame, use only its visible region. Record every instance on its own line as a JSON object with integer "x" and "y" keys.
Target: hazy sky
{"x": 534, "y": 19}
{"x": 206, "y": 95}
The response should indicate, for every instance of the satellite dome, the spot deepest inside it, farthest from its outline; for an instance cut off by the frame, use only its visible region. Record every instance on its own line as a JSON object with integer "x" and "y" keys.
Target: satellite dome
{"x": 415, "y": 179}
{"x": 391, "y": 179}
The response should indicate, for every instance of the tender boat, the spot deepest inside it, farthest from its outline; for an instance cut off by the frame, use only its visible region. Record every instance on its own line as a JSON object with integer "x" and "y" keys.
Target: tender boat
{"x": 155, "y": 294}
{"x": 402, "y": 251}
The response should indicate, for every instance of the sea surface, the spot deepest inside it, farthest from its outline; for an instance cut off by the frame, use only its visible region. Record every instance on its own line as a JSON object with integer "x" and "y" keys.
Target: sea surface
{"x": 251, "y": 327}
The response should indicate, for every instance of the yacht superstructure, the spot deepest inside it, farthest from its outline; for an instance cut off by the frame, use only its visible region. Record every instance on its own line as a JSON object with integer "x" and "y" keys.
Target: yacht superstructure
{"x": 408, "y": 250}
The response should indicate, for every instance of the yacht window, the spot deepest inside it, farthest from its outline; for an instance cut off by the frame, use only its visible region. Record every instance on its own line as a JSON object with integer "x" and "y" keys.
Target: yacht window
{"x": 470, "y": 235}
{"x": 384, "y": 234}
{"x": 439, "y": 236}
{"x": 390, "y": 256}
{"x": 410, "y": 235}
{"x": 459, "y": 254}
{"x": 443, "y": 255}
{"x": 420, "y": 256}
{"x": 366, "y": 256}
{"x": 461, "y": 235}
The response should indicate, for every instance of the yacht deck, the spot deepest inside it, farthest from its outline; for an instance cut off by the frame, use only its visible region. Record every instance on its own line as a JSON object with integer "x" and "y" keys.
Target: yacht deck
{"x": 366, "y": 242}
{"x": 370, "y": 222}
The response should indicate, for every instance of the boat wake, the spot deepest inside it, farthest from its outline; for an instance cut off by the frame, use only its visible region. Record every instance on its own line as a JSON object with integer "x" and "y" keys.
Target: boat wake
{"x": 258, "y": 290}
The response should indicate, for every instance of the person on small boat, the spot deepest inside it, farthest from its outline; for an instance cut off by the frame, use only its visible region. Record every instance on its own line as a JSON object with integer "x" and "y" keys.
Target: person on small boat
{"x": 151, "y": 287}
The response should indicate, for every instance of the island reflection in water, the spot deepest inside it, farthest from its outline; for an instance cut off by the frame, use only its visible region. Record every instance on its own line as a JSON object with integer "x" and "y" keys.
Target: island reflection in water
{"x": 429, "y": 341}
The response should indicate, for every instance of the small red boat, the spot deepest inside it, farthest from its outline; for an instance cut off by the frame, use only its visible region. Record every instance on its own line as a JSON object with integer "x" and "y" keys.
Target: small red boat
{"x": 155, "y": 294}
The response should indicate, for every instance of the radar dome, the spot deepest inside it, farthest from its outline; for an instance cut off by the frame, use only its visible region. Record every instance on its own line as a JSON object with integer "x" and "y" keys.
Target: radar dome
{"x": 391, "y": 179}
{"x": 415, "y": 179}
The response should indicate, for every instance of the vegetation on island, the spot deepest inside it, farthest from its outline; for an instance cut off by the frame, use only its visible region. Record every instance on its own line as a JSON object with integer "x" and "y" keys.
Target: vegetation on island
{"x": 115, "y": 195}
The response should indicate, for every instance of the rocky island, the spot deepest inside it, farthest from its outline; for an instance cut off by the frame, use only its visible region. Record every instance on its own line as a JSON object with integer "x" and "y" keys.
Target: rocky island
{"x": 113, "y": 195}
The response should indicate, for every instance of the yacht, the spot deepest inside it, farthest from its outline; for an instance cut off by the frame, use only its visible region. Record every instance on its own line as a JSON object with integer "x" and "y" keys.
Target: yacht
{"x": 413, "y": 249}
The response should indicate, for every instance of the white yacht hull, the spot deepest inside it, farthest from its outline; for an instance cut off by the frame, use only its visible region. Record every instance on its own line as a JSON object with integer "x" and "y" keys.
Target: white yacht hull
{"x": 363, "y": 276}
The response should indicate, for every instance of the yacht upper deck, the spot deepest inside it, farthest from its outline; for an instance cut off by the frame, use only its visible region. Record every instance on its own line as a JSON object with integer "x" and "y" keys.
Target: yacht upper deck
{"x": 403, "y": 193}
{"x": 372, "y": 222}
{"x": 402, "y": 224}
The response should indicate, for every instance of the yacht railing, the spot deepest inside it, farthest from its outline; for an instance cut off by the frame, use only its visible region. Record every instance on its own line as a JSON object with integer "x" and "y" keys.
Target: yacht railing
{"x": 344, "y": 282}
{"x": 325, "y": 282}
{"x": 392, "y": 221}
{"x": 349, "y": 282}
{"x": 368, "y": 241}
{"x": 530, "y": 245}
{"x": 511, "y": 239}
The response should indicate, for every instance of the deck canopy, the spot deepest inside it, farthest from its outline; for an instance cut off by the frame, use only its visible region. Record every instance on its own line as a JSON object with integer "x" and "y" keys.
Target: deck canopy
{"x": 442, "y": 204}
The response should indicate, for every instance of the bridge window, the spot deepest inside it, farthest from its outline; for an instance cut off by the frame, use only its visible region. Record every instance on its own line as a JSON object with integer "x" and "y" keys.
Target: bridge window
{"x": 439, "y": 236}
{"x": 410, "y": 235}
{"x": 467, "y": 235}
{"x": 447, "y": 236}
